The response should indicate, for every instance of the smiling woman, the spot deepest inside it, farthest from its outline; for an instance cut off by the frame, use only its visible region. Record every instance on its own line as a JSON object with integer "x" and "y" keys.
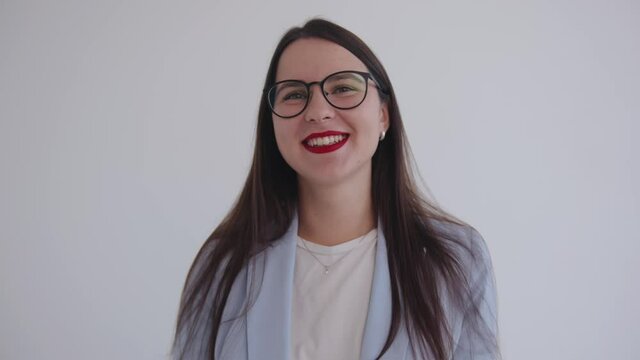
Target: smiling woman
{"x": 344, "y": 111}
{"x": 330, "y": 251}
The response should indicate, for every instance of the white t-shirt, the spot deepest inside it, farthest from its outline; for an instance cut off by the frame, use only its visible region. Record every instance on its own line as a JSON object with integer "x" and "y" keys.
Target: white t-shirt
{"x": 330, "y": 308}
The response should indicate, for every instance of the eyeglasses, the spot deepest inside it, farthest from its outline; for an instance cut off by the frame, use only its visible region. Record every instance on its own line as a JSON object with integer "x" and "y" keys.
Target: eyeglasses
{"x": 343, "y": 90}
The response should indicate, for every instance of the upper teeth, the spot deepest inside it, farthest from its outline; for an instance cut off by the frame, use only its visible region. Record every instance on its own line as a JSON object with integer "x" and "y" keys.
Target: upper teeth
{"x": 326, "y": 140}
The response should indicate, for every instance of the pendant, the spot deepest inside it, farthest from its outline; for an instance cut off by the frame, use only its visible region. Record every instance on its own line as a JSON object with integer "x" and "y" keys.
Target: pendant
{"x": 326, "y": 270}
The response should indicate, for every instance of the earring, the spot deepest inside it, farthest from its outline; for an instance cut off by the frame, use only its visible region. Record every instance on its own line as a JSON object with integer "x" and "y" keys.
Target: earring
{"x": 382, "y": 135}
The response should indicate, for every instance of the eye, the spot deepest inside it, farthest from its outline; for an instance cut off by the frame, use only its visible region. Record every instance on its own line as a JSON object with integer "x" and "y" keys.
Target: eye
{"x": 342, "y": 89}
{"x": 294, "y": 95}
{"x": 345, "y": 84}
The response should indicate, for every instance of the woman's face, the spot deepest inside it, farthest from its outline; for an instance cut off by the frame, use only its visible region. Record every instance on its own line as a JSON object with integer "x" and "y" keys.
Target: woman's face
{"x": 300, "y": 139}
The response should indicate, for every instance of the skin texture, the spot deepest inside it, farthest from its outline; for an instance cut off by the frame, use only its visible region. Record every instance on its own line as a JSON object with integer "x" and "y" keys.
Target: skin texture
{"x": 335, "y": 203}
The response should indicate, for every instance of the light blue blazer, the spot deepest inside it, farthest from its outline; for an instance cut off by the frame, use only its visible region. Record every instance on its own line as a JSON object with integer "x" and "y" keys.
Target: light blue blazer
{"x": 264, "y": 333}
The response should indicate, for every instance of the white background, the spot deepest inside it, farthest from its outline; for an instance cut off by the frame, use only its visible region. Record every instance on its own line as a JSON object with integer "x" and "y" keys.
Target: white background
{"x": 127, "y": 129}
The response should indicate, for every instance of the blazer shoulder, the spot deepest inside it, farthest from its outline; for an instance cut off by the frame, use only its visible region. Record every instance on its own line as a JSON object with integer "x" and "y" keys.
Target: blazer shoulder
{"x": 466, "y": 242}
{"x": 474, "y": 326}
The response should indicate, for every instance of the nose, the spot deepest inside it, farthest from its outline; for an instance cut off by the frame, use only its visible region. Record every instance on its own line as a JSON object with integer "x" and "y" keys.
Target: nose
{"x": 318, "y": 109}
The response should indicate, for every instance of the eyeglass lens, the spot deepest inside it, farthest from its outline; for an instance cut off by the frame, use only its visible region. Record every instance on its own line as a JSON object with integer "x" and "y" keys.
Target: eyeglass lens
{"x": 342, "y": 90}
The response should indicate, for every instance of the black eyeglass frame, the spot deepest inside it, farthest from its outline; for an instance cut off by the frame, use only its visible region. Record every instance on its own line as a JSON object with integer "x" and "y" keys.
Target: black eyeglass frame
{"x": 367, "y": 76}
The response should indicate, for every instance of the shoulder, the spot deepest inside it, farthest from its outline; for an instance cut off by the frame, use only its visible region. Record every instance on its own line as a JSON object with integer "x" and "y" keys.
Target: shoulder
{"x": 474, "y": 266}
{"x": 465, "y": 242}
{"x": 473, "y": 320}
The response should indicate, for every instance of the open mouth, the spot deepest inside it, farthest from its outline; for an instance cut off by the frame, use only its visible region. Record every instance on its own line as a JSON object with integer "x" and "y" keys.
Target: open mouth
{"x": 325, "y": 142}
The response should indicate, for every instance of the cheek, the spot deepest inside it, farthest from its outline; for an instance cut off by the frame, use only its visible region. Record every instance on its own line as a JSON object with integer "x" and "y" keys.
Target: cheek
{"x": 369, "y": 129}
{"x": 285, "y": 136}
{"x": 368, "y": 124}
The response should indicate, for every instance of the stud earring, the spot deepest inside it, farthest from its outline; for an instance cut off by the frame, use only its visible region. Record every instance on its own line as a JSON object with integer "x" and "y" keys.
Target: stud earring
{"x": 382, "y": 135}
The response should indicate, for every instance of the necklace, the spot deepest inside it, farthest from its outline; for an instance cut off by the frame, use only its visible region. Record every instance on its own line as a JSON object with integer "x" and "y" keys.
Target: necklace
{"x": 325, "y": 266}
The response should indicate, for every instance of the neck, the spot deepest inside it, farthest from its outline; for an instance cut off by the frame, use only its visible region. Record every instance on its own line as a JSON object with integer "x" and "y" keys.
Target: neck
{"x": 331, "y": 215}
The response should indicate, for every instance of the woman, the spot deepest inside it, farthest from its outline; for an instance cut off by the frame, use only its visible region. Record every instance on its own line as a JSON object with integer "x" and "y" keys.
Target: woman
{"x": 330, "y": 252}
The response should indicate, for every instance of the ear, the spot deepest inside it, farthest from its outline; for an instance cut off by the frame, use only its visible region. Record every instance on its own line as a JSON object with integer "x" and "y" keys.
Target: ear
{"x": 384, "y": 117}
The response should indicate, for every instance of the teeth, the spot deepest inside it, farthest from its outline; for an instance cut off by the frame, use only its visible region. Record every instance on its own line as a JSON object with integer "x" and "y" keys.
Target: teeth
{"x": 327, "y": 140}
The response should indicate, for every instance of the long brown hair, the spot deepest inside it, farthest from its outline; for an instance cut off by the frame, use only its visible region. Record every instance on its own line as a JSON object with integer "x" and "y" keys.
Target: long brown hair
{"x": 419, "y": 254}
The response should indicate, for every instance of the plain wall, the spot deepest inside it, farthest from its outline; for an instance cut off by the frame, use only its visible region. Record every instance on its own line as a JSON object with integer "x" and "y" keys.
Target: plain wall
{"x": 127, "y": 129}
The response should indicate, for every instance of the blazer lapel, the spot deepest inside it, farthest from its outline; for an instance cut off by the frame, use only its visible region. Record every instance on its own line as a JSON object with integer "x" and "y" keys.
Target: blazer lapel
{"x": 269, "y": 320}
{"x": 379, "y": 313}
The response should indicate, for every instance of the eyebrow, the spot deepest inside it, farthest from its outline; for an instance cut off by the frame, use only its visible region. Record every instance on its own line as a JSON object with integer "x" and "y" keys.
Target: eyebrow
{"x": 288, "y": 84}
{"x": 344, "y": 76}
{"x": 340, "y": 75}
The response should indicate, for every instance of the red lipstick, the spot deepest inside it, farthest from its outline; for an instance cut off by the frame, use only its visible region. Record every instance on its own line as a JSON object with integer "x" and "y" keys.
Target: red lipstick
{"x": 321, "y": 149}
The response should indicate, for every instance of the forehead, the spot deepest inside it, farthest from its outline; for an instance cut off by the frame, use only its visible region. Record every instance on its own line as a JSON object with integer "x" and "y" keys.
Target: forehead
{"x": 313, "y": 59}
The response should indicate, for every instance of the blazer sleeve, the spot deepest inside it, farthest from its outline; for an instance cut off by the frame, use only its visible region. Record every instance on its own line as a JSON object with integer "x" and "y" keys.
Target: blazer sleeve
{"x": 478, "y": 339}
